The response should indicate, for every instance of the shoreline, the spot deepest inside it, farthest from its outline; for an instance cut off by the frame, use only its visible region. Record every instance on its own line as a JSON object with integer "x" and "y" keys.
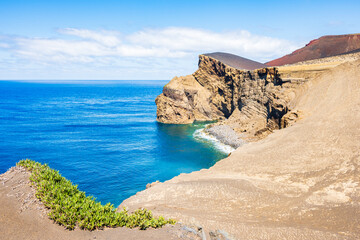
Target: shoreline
{"x": 221, "y": 137}
{"x": 225, "y": 134}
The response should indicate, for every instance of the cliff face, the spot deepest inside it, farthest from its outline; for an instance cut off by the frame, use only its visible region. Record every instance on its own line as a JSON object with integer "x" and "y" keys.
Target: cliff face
{"x": 251, "y": 102}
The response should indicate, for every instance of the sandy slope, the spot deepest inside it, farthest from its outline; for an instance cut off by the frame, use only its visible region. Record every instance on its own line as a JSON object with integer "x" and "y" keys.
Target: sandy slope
{"x": 22, "y": 216}
{"x": 300, "y": 182}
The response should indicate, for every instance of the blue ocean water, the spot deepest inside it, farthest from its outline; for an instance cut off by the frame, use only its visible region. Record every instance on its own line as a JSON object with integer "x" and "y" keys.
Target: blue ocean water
{"x": 102, "y": 135}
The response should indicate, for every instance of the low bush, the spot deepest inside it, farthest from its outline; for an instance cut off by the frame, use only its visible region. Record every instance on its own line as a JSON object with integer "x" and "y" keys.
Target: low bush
{"x": 70, "y": 207}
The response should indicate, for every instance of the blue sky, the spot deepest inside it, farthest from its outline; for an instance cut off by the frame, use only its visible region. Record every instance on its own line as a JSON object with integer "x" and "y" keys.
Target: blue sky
{"x": 155, "y": 39}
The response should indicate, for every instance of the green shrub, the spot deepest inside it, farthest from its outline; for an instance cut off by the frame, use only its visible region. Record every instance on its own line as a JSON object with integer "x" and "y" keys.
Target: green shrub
{"x": 70, "y": 207}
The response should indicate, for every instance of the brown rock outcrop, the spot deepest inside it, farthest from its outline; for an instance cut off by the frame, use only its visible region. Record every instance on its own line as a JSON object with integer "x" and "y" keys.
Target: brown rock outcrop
{"x": 252, "y": 102}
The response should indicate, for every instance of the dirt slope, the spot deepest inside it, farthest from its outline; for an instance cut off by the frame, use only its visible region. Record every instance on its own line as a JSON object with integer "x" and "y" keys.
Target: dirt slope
{"x": 325, "y": 46}
{"x": 301, "y": 182}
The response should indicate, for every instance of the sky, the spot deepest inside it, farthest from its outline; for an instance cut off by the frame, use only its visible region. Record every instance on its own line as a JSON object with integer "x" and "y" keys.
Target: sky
{"x": 155, "y": 40}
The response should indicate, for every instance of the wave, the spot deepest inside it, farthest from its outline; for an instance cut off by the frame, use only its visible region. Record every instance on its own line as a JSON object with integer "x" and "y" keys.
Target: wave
{"x": 202, "y": 136}
{"x": 91, "y": 101}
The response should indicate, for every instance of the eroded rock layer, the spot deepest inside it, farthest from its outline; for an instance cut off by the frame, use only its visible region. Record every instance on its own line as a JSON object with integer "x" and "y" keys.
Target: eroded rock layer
{"x": 252, "y": 102}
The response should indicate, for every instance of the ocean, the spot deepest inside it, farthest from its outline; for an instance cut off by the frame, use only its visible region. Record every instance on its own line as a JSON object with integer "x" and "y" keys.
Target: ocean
{"x": 101, "y": 135}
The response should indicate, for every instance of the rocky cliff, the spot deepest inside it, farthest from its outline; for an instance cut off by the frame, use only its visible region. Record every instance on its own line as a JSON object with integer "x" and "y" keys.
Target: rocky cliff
{"x": 251, "y": 102}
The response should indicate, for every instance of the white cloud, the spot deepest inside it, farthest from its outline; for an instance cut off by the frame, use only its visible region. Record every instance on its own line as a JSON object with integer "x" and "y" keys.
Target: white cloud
{"x": 192, "y": 40}
{"x": 173, "y": 49}
{"x": 52, "y": 47}
{"x": 107, "y": 38}
{"x": 173, "y": 42}
{"x": 4, "y": 45}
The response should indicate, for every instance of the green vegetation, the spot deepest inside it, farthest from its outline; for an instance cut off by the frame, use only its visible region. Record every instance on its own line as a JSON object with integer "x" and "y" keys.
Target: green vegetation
{"x": 70, "y": 207}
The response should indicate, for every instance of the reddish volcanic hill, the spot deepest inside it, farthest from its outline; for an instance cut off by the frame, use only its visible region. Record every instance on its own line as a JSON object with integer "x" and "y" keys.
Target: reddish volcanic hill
{"x": 325, "y": 46}
{"x": 235, "y": 61}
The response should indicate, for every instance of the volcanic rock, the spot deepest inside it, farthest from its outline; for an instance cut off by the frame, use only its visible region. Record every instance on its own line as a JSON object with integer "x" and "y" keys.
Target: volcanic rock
{"x": 325, "y": 46}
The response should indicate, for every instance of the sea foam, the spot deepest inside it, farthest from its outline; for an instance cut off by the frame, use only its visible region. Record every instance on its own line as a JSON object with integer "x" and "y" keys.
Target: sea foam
{"x": 202, "y": 136}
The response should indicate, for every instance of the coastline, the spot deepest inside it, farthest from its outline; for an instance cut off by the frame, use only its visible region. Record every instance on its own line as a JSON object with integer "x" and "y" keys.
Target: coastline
{"x": 263, "y": 190}
{"x": 282, "y": 186}
{"x": 226, "y": 135}
{"x": 221, "y": 137}
{"x": 112, "y": 124}
{"x": 180, "y": 120}
{"x": 300, "y": 182}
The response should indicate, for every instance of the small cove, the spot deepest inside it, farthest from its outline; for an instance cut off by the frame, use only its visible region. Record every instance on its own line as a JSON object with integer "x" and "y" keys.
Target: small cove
{"x": 102, "y": 135}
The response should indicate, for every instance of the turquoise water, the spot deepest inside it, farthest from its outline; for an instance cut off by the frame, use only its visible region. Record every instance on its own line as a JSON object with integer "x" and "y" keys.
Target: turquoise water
{"x": 102, "y": 135}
